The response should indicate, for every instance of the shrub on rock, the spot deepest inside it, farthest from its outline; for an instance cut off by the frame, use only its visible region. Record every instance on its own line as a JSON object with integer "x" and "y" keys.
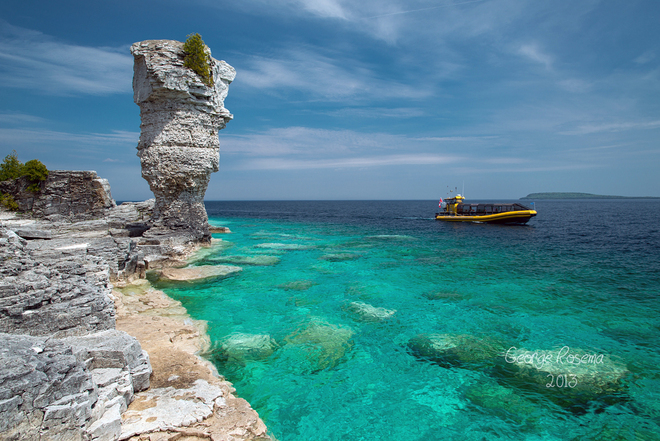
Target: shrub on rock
{"x": 36, "y": 172}
{"x": 197, "y": 59}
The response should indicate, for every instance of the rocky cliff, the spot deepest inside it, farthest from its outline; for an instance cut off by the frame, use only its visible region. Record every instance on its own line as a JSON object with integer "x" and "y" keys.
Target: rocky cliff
{"x": 63, "y": 195}
{"x": 65, "y": 371}
{"x": 179, "y": 146}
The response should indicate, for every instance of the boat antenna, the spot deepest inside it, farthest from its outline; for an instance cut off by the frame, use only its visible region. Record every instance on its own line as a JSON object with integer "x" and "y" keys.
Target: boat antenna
{"x": 463, "y": 188}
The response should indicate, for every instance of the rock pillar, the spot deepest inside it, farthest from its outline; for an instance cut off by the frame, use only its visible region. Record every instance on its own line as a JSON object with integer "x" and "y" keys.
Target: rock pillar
{"x": 179, "y": 146}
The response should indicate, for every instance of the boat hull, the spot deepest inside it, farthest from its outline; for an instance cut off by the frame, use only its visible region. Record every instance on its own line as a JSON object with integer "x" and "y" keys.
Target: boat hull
{"x": 509, "y": 217}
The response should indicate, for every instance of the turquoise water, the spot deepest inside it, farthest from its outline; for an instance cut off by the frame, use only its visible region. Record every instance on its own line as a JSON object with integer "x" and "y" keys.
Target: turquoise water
{"x": 317, "y": 332}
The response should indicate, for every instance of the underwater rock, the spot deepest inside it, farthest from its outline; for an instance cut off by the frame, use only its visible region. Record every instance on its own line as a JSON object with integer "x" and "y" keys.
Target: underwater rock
{"x": 456, "y": 350}
{"x": 565, "y": 375}
{"x": 214, "y": 229}
{"x": 261, "y": 260}
{"x": 298, "y": 285}
{"x": 283, "y": 246}
{"x": 368, "y": 313}
{"x": 196, "y": 273}
{"x": 504, "y": 402}
{"x": 322, "y": 344}
{"x": 244, "y": 347}
{"x": 340, "y": 257}
{"x": 445, "y": 295}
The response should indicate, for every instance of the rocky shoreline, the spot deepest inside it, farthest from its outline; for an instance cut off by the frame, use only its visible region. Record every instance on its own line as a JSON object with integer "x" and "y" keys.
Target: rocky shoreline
{"x": 73, "y": 364}
{"x": 173, "y": 340}
{"x": 84, "y": 329}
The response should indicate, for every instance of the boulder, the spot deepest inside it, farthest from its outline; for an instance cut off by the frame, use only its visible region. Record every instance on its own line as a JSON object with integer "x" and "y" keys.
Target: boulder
{"x": 318, "y": 345}
{"x": 456, "y": 350}
{"x": 241, "y": 347}
{"x": 368, "y": 313}
{"x": 565, "y": 375}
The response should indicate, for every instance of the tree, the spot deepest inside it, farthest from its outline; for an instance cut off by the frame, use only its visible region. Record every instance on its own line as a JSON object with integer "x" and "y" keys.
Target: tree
{"x": 11, "y": 167}
{"x": 36, "y": 172}
{"x": 197, "y": 59}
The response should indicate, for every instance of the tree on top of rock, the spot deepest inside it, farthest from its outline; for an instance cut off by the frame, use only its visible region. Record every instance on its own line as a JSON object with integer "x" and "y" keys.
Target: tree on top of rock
{"x": 34, "y": 170}
{"x": 197, "y": 59}
{"x": 11, "y": 167}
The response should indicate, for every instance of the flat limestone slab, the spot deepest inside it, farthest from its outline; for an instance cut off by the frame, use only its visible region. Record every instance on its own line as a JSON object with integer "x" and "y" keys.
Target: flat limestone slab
{"x": 169, "y": 408}
{"x": 197, "y": 272}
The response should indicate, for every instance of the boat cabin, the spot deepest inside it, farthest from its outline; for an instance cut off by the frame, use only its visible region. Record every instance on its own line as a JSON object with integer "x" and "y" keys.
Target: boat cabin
{"x": 478, "y": 209}
{"x": 455, "y": 206}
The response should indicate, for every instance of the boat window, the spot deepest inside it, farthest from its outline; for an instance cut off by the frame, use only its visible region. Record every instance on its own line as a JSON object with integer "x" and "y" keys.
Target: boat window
{"x": 481, "y": 209}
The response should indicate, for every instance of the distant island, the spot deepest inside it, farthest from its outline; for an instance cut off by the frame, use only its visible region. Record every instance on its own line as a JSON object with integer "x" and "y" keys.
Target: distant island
{"x": 560, "y": 195}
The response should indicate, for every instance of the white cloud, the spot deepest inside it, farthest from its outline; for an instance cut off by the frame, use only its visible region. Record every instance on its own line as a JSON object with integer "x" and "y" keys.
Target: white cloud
{"x": 323, "y": 77}
{"x": 377, "y": 112}
{"x": 12, "y": 136}
{"x": 534, "y": 53}
{"x": 324, "y": 8}
{"x": 454, "y": 138}
{"x": 19, "y": 119}
{"x": 645, "y": 57}
{"x": 613, "y": 127}
{"x": 309, "y": 142}
{"x": 299, "y": 148}
{"x": 32, "y": 60}
{"x": 359, "y": 162}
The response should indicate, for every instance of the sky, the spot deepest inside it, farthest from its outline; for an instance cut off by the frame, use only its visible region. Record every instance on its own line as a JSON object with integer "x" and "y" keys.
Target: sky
{"x": 345, "y": 99}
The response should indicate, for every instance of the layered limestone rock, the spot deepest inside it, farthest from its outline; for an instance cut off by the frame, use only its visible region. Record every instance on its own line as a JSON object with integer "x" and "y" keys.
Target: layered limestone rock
{"x": 64, "y": 195}
{"x": 65, "y": 372}
{"x": 179, "y": 146}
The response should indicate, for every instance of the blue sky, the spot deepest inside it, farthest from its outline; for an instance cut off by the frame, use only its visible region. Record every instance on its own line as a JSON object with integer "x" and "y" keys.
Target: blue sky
{"x": 340, "y": 99}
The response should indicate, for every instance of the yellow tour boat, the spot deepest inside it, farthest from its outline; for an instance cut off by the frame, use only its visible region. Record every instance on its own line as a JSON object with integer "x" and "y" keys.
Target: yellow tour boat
{"x": 457, "y": 211}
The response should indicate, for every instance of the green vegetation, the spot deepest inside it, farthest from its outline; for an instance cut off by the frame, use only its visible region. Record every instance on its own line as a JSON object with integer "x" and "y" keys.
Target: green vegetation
{"x": 35, "y": 171}
{"x": 197, "y": 59}
{"x": 8, "y": 201}
{"x": 569, "y": 195}
{"x": 11, "y": 167}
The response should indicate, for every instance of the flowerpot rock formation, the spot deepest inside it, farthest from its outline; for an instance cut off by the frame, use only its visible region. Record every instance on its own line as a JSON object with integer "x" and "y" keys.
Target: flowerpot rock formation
{"x": 179, "y": 146}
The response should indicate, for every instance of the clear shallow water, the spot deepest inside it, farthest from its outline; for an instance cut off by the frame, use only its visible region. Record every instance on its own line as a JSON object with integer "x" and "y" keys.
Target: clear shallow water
{"x": 582, "y": 274}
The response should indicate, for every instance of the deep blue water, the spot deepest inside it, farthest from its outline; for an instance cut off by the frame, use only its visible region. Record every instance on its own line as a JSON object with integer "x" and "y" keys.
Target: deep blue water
{"x": 299, "y": 335}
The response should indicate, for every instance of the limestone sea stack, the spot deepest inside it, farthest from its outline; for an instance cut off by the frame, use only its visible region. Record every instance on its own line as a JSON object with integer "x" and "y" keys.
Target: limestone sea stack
{"x": 179, "y": 145}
